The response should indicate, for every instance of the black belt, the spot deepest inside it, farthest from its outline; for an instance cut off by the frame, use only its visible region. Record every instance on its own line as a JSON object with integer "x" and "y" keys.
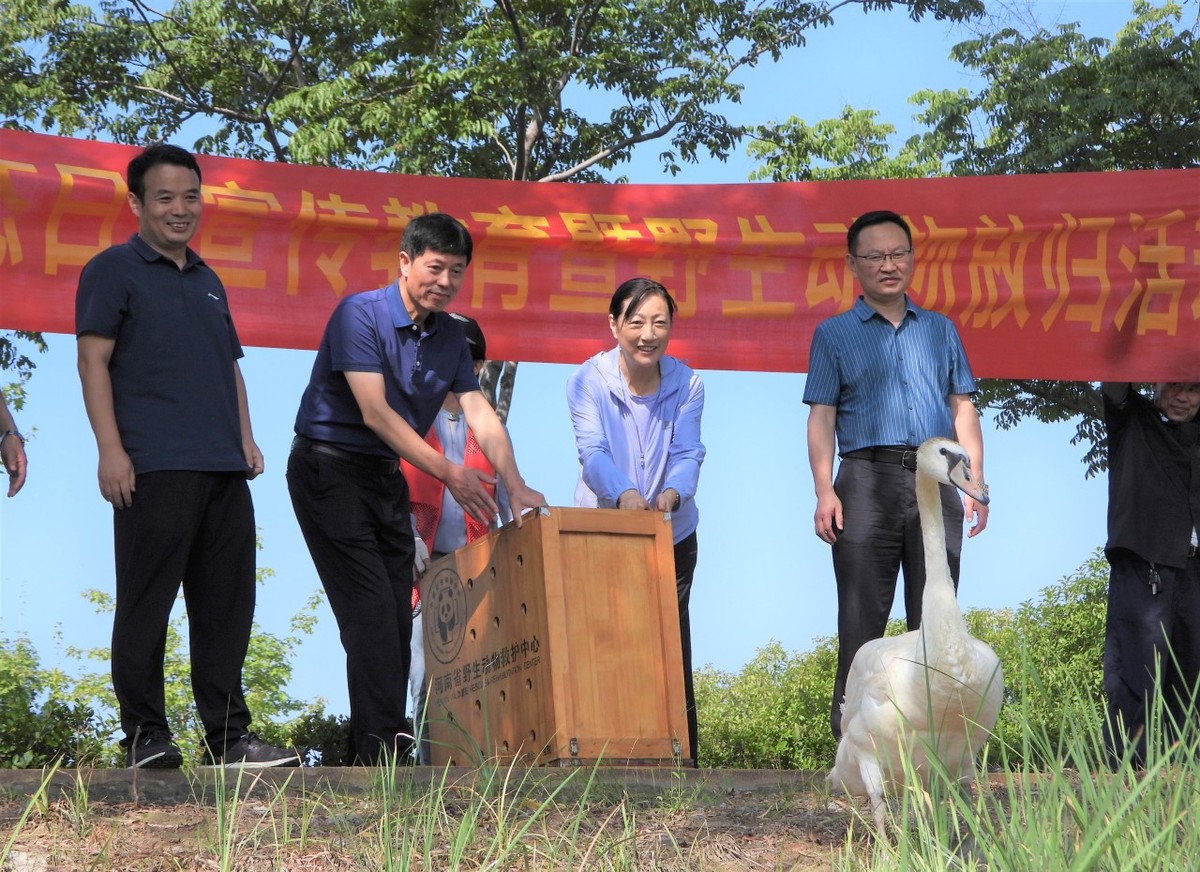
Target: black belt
{"x": 904, "y": 455}
{"x": 371, "y": 463}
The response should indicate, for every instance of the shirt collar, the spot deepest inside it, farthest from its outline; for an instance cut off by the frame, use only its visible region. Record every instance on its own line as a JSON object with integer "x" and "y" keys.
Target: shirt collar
{"x": 400, "y": 317}
{"x": 865, "y": 312}
{"x": 150, "y": 254}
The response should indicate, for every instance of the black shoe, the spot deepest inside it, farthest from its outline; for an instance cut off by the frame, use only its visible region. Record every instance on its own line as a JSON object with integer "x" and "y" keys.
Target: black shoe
{"x": 251, "y": 752}
{"x": 154, "y": 750}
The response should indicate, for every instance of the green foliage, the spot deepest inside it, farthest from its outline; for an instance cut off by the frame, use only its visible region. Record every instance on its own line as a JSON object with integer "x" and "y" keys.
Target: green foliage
{"x": 324, "y": 738}
{"x": 774, "y": 714}
{"x": 1062, "y": 102}
{"x": 14, "y": 356}
{"x": 1012, "y": 401}
{"x": 852, "y": 146}
{"x": 437, "y": 87}
{"x": 39, "y": 721}
{"x": 1052, "y": 651}
{"x": 1051, "y": 102}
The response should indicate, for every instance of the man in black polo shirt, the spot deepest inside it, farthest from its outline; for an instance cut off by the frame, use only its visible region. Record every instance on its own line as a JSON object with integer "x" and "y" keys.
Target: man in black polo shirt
{"x": 1152, "y": 636}
{"x": 158, "y": 360}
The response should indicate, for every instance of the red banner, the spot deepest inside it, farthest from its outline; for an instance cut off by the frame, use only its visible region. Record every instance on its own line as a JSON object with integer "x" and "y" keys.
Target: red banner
{"x": 1070, "y": 276}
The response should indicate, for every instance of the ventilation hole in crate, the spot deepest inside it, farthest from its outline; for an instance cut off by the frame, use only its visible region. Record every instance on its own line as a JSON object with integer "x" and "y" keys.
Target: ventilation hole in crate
{"x": 529, "y": 684}
{"x": 496, "y": 621}
{"x": 478, "y": 705}
{"x": 503, "y": 696}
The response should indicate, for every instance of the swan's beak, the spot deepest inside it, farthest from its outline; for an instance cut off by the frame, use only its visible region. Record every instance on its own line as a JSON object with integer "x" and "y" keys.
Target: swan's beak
{"x": 960, "y": 476}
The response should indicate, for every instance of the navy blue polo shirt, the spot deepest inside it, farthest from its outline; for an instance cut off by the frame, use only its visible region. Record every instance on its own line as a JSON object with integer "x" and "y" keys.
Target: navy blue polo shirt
{"x": 172, "y": 366}
{"x": 372, "y": 332}
{"x": 890, "y": 384}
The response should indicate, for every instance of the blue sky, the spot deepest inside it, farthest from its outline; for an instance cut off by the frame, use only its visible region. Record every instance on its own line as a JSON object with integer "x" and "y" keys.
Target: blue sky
{"x": 762, "y": 574}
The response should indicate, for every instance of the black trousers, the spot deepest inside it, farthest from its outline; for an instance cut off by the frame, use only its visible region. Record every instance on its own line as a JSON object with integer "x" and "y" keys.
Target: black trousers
{"x": 355, "y": 520}
{"x": 1151, "y": 647}
{"x": 685, "y": 568}
{"x": 194, "y": 529}
{"x": 882, "y": 538}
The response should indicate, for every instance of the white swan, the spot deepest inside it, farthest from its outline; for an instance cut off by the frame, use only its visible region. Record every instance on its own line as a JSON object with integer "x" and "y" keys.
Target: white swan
{"x": 932, "y": 692}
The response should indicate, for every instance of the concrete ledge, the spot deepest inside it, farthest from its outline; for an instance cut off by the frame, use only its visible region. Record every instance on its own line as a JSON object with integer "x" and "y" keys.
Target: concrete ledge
{"x": 176, "y": 786}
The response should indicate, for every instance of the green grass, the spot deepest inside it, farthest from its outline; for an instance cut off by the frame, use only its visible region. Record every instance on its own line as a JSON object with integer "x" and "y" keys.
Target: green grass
{"x": 1084, "y": 814}
{"x": 1075, "y": 815}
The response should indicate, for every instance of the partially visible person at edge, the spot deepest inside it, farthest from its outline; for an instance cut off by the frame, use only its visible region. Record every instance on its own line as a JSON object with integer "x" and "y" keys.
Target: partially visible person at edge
{"x": 440, "y": 522}
{"x": 386, "y": 362}
{"x": 1152, "y": 633}
{"x": 158, "y": 361}
{"x": 12, "y": 449}
{"x": 884, "y": 377}
{"x": 636, "y": 415}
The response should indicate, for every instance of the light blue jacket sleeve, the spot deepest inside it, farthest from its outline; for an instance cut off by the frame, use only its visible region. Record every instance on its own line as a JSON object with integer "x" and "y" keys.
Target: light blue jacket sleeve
{"x": 686, "y": 451}
{"x": 597, "y": 445}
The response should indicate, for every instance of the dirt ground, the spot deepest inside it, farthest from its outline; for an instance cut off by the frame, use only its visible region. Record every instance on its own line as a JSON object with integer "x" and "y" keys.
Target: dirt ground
{"x": 714, "y": 826}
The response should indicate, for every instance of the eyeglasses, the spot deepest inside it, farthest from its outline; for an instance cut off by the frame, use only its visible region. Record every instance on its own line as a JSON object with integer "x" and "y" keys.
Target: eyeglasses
{"x": 876, "y": 258}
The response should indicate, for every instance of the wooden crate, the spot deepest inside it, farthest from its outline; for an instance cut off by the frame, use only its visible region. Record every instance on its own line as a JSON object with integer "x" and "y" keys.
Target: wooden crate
{"x": 557, "y": 642}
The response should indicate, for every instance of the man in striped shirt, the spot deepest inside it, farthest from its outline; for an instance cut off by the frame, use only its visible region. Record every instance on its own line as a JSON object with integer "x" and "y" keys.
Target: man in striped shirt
{"x": 884, "y": 377}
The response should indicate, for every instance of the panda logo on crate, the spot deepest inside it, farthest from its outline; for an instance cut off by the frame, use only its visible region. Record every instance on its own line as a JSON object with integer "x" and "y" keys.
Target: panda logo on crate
{"x": 445, "y": 615}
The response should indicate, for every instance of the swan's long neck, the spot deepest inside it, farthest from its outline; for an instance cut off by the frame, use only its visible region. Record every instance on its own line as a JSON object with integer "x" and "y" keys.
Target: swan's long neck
{"x": 941, "y": 619}
{"x": 933, "y": 528}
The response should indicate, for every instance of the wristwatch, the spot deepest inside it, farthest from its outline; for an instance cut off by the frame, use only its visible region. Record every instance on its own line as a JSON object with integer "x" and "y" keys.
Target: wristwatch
{"x": 16, "y": 433}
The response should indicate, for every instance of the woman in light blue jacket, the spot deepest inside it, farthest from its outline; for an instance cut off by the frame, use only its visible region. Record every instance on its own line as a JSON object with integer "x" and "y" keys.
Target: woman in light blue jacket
{"x": 636, "y": 414}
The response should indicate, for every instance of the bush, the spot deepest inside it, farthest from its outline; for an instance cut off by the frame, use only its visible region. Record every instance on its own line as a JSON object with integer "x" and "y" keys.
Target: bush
{"x": 774, "y": 714}
{"x": 323, "y": 740}
{"x": 39, "y": 724}
{"x": 1052, "y": 651}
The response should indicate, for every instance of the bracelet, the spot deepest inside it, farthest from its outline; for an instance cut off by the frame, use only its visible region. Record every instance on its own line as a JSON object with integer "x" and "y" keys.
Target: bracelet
{"x": 8, "y": 433}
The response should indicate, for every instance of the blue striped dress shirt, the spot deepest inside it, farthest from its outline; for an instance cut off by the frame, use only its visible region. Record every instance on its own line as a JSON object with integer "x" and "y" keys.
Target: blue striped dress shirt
{"x": 890, "y": 384}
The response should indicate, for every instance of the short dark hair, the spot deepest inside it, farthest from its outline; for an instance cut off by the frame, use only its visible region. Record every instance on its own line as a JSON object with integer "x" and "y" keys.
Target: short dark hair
{"x": 438, "y": 232}
{"x": 152, "y": 156}
{"x": 870, "y": 219}
{"x": 629, "y": 296}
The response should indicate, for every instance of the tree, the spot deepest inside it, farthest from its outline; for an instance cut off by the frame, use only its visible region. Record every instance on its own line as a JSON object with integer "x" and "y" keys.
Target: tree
{"x": 14, "y": 357}
{"x": 1054, "y": 101}
{"x": 852, "y": 146}
{"x": 542, "y": 90}
{"x": 436, "y": 87}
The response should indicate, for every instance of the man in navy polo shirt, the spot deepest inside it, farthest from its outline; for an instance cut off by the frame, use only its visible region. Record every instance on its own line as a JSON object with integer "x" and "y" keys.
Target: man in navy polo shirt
{"x": 386, "y": 362}
{"x": 158, "y": 360}
{"x": 883, "y": 377}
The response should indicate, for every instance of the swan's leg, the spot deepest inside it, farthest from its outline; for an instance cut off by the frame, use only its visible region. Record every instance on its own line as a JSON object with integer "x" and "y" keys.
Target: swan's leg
{"x": 872, "y": 778}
